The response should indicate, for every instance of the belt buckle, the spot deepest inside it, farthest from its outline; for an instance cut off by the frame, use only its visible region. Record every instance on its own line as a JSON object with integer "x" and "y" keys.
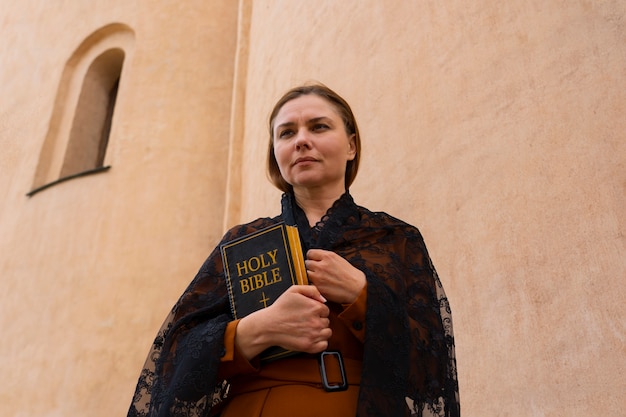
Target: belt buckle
{"x": 322, "y": 362}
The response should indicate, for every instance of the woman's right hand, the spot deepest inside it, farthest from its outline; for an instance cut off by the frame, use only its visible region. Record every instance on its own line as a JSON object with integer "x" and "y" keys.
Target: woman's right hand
{"x": 297, "y": 320}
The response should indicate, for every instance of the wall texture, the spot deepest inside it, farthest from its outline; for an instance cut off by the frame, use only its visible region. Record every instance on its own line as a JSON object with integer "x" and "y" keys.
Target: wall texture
{"x": 498, "y": 128}
{"x": 90, "y": 266}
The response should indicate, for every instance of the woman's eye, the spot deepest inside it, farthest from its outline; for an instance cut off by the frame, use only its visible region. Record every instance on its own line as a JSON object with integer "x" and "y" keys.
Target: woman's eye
{"x": 320, "y": 126}
{"x": 285, "y": 133}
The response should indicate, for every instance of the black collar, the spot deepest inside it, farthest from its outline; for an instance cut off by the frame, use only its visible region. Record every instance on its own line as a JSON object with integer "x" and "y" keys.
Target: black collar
{"x": 324, "y": 234}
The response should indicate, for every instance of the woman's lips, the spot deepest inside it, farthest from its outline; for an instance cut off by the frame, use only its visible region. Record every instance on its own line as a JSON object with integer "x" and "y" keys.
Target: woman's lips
{"x": 304, "y": 160}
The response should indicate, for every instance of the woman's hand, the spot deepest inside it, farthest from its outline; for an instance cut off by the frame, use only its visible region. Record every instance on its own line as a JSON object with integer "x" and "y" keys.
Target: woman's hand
{"x": 334, "y": 277}
{"x": 297, "y": 320}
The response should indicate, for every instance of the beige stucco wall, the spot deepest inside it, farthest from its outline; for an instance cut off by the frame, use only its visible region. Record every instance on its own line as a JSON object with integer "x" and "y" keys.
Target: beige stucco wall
{"x": 497, "y": 128}
{"x": 91, "y": 266}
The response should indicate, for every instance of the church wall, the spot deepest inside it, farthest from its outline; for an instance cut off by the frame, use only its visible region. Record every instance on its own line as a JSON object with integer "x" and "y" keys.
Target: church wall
{"x": 496, "y": 128}
{"x": 91, "y": 266}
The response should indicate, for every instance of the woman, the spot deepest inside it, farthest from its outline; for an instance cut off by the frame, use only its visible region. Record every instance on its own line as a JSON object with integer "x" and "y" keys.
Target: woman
{"x": 373, "y": 329}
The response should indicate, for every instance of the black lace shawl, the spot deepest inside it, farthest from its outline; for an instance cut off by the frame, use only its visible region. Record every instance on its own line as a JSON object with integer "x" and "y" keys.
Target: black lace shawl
{"x": 409, "y": 366}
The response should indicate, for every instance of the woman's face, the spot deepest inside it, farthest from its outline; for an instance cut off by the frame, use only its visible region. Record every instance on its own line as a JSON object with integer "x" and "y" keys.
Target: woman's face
{"x": 311, "y": 144}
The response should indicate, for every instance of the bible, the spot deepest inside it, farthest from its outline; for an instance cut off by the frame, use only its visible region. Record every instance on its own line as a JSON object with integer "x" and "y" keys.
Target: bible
{"x": 259, "y": 267}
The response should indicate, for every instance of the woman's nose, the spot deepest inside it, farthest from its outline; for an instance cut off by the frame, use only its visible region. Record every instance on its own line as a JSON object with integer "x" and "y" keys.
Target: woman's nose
{"x": 303, "y": 139}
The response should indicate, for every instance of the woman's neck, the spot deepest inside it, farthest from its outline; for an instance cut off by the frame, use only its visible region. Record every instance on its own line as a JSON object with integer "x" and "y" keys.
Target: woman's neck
{"x": 316, "y": 204}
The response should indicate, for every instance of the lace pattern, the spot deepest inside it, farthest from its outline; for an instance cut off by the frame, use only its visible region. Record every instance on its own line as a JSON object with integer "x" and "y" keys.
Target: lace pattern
{"x": 409, "y": 364}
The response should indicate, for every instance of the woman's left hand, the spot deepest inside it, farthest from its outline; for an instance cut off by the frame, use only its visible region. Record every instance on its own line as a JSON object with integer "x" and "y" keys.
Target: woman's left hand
{"x": 335, "y": 278}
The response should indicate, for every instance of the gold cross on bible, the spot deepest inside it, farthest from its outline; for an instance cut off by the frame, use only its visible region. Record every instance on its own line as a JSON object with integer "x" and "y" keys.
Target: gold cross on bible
{"x": 264, "y": 300}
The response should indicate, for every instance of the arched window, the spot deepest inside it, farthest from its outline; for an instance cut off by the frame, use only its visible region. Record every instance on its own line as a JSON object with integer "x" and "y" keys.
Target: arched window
{"x": 91, "y": 127}
{"x": 84, "y": 110}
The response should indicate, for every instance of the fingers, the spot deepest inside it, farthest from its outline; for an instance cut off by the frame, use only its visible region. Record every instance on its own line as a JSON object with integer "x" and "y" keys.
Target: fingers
{"x": 299, "y": 320}
{"x": 323, "y": 261}
{"x": 314, "y": 257}
{"x": 334, "y": 276}
{"x": 318, "y": 344}
{"x": 309, "y": 291}
{"x": 315, "y": 254}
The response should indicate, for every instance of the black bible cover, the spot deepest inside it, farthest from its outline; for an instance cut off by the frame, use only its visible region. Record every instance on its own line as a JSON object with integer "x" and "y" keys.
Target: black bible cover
{"x": 259, "y": 267}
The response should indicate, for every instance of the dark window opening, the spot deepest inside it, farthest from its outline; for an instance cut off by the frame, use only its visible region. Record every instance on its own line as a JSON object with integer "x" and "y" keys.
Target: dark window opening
{"x": 89, "y": 136}
{"x": 82, "y": 119}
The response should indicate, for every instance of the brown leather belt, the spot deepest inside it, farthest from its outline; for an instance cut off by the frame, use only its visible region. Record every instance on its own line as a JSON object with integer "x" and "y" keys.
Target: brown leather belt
{"x": 327, "y": 370}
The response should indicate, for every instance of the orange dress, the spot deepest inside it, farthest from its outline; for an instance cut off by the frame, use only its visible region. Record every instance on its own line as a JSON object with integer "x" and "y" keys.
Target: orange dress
{"x": 292, "y": 386}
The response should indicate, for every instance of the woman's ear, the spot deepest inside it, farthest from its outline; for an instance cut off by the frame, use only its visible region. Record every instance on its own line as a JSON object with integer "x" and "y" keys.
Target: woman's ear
{"x": 352, "y": 148}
